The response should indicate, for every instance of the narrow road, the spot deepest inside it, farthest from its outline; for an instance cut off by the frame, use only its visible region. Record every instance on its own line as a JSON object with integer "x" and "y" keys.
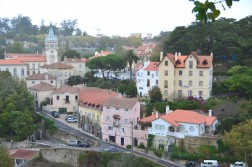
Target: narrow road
{"x": 102, "y": 144}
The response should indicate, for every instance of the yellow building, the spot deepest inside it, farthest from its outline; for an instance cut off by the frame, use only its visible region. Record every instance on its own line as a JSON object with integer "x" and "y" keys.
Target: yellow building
{"x": 186, "y": 75}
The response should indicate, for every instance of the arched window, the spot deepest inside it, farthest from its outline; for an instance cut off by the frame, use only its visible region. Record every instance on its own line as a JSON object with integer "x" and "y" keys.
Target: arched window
{"x": 171, "y": 129}
{"x": 22, "y": 72}
{"x": 15, "y": 72}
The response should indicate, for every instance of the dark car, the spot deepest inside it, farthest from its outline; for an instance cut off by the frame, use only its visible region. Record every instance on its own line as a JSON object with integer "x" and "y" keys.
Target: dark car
{"x": 190, "y": 164}
{"x": 112, "y": 149}
{"x": 83, "y": 144}
{"x": 55, "y": 114}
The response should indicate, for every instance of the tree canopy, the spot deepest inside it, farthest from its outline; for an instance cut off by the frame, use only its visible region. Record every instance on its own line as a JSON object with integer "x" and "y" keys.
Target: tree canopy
{"x": 70, "y": 54}
{"x": 5, "y": 159}
{"x": 131, "y": 58}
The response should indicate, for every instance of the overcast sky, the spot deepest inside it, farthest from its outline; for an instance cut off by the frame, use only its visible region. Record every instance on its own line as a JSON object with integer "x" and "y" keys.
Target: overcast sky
{"x": 116, "y": 17}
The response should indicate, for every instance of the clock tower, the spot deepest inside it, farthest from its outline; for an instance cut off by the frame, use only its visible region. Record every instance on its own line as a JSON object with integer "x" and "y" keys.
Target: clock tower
{"x": 51, "y": 47}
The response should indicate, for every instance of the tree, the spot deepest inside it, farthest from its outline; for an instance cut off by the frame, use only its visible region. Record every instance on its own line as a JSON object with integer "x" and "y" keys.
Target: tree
{"x": 23, "y": 124}
{"x": 239, "y": 140}
{"x": 155, "y": 94}
{"x": 68, "y": 27}
{"x": 70, "y": 54}
{"x": 75, "y": 80}
{"x": 128, "y": 89}
{"x": 131, "y": 58}
{"x": 5, "y": 159}
{"x": 207, "y": 11}
{"x": 240, "y": 80}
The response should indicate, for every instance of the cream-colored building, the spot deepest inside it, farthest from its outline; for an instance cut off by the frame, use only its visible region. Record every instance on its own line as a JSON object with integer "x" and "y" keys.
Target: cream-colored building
{"x": 186, "y": 75}
{"x": 65, "y": 99}
{"x": 41, "y": 91}
{"x": 16, "y": 68}
{"x": 79, "y": 65}
{"x": 60, "y": 70}
{"x": 38, "y": 78}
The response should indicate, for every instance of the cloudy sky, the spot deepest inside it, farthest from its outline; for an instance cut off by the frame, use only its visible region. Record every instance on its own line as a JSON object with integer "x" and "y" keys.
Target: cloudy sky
{"x": 115, "y": 17}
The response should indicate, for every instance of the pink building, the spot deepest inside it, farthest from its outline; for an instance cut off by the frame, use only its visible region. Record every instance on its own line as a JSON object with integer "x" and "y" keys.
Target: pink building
{"x": 119, "y": 124}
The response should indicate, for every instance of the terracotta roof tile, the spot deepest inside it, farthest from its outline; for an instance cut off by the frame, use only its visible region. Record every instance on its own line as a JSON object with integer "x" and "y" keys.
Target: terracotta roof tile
{"x": 148, "y": 119}
{"x": 121, "y": 102}
{"x": 58, "y": 65}
{"x": 66, "y": 88}
{"x": 95, "y": 96}
{"x": 43, "y": 86}
{"x": 23, "y": 154}
{"x": 75, "y": 60}
{"x": 10, "y": 62}
{"x": 153, "y": 66}
{"x": 187, "y": 116}
{"x": 13, "y": 55}
{"x": 40, "y": 76}
{"x": 31, "y": 59}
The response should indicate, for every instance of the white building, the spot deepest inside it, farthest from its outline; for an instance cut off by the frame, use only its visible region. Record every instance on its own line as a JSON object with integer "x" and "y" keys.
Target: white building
{"x": 147, "y": 77}
{"x": 38, "y": 78}
{"x": 16, "y": 68}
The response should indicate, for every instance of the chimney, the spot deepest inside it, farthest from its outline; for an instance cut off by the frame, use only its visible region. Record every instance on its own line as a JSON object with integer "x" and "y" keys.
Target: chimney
{"x": 167, "y": 109}
{"x": 176, "y": 56}
{"x": 211, "y": 54}
{"x": 46, "y": 76}
{"x": 96, "y": 53}
{"x": 4, "y": 54}
{"x": 152, "y": 113}
{"x": 210, "y": 113}
{"x": 156, "y": 114}
{"x": 65, "y": 59}
{"x": 179, "y": 53}
{"x": 161, "y": 56}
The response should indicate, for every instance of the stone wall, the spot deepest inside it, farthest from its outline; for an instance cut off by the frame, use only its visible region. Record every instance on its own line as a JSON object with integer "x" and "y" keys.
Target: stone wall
{"x": 61, "y": 155}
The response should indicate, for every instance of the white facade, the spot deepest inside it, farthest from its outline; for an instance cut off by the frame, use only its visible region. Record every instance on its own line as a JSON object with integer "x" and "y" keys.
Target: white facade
{"x": 16, "y": 70}
{"x": 146, "y": 78}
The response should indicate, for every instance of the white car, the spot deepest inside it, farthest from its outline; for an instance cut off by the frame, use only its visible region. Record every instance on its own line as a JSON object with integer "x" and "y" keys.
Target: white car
{"x": 209, "y": 163}
{"x": 238, "y": 164}
{"x": 71, "y": 119}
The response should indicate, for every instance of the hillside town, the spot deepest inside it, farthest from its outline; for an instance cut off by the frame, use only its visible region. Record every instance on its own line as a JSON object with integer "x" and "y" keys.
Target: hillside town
{"x": 151, "y": 120}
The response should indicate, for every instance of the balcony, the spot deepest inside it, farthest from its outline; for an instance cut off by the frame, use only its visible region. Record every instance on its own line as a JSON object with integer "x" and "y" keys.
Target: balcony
{"x": 166, "y": 133}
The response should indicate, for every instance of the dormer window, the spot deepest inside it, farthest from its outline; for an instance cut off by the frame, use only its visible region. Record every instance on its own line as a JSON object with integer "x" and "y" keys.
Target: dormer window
{"x": 205, "y": 62}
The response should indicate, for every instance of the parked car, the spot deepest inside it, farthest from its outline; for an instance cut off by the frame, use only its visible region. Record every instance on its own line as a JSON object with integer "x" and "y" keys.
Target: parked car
{"x": 209, "y": 163}
{"x": 84, "y": 145}
{"x": 190, "y": 164}
{"x": 111, "y": 149}
{"x": 238, "y": 164}
{"x": 71, "y": 119}
{"x": 69, "y": 116}
{"x": 73, "y": 142}
{"x": 55, "y": 114}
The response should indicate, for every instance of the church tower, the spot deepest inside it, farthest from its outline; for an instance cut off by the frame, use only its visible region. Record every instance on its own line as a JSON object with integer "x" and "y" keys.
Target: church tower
{"x": 51, "y": 47}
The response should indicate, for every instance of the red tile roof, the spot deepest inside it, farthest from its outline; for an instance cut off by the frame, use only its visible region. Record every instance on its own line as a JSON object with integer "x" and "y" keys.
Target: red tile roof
{"x": 148, "y": 119}
{"x": 153, "y": 66}
{"x": 187, "y": 116}
{"x": 58, "y": 65}
{"x": 13, "y": 55}
{"x": 66, "y": 88}
{"x": 95, "y": 96}
{"x": 40, "y": 76}
{"x": 75, "y": 60}
{"x": 203, "y": 61}
{"x": 10, "y": 62}
{"x": 31, "y": 59}
{"x": 23, "y": 154}
{"x": 43, "y": 86}
{"x": 121, "y": 102}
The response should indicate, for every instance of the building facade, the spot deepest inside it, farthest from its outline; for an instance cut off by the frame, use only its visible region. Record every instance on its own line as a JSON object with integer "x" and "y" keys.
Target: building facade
{"x": 119, "y": 122}
{"x": 38, "y": 78}
{"x": 147, "y": 77}
{"x": 186, "y": 76}
{"x": 16, "y": 68}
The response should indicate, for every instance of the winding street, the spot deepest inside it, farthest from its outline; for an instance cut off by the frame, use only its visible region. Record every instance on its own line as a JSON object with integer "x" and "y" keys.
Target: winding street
{"x": 72, "y": 129}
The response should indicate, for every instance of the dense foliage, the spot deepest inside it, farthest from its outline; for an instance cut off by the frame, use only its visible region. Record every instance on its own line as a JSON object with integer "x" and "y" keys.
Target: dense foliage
{"x": 5, "y": 159}
{"x": 17, "y": 118}
{"x": 228, "y": 39}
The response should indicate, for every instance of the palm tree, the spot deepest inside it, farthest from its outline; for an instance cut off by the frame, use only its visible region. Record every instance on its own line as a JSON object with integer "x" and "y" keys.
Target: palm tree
{"x": 131, "y": 57}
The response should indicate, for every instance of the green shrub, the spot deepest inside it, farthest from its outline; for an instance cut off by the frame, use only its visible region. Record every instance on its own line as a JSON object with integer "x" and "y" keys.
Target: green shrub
{"x": 141, "y": 145}
{"x": 129, "y": 147}
{"x": 158, "y": 153}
